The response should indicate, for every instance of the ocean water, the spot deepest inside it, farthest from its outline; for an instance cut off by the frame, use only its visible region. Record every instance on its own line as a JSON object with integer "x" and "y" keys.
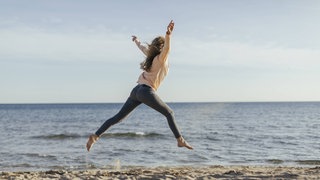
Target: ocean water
{"x": 53, "y": 136}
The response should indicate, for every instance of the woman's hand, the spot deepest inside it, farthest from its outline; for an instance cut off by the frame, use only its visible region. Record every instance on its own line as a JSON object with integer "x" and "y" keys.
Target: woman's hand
{"x": 170, "y": 27}
{"x": 134, "y": 37}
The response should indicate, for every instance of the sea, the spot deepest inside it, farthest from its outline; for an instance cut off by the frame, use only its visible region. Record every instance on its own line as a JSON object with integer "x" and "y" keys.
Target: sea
{"x": 39, "y": 137}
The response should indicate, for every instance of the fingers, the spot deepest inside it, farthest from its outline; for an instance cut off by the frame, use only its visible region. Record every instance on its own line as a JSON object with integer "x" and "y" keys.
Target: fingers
{"x": 134, "y": 37}
{"x": 170, "y": 26}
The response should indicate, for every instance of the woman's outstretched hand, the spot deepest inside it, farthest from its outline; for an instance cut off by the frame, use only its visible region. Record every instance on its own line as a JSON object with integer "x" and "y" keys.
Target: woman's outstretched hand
{"x": 134, "y": 37}
{"x": 170, "y": 27}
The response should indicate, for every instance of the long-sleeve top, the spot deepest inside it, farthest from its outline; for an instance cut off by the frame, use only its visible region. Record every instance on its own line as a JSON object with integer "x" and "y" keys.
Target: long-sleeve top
{"x": 159, "y": 68}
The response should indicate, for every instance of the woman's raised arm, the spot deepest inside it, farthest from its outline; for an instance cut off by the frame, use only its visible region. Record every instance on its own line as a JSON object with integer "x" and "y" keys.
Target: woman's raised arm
{"x": 166, "y": 48}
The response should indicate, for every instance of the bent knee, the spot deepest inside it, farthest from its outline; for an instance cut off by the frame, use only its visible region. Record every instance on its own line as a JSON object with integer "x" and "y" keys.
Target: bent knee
{"x": 170, "y": 113}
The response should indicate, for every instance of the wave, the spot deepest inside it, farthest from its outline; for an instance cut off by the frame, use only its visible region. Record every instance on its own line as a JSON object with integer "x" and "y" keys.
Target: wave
{"x": 65, "y": 136}
{"x": 131, "y": 135}
{"x": 308, "y": 162}
{"x": 275, "y": 161}
{"x": 300, "y": 162}
{"x": 58, "y": 136}
{"x": 22, "y": 165}
{"x": 38, "y": 155}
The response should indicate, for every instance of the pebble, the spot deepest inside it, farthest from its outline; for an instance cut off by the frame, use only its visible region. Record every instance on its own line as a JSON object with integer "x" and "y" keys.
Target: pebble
{"x": 211, "y": 172}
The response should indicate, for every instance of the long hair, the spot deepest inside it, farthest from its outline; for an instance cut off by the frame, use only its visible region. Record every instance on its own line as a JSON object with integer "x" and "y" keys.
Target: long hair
{"x": 154, "y": 49}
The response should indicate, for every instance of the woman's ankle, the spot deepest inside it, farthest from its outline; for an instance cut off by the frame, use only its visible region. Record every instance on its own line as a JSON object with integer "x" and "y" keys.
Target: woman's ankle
{"x": 183, "y": 143}
{"x": 95, "y": 137}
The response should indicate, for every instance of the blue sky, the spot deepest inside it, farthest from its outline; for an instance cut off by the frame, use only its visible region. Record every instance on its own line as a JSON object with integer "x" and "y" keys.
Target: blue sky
{"x": 81, "y": 51}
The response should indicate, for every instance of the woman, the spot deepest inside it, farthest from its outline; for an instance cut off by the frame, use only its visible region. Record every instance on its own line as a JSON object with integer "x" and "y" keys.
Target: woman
{"x": 155, "y": 68}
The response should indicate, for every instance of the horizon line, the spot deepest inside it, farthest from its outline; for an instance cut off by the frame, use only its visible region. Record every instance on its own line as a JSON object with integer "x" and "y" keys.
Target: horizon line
{"x": 169, "y": 102}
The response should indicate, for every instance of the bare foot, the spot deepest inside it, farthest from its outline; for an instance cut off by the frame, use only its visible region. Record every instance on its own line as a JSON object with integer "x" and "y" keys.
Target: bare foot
{"x": 92, "y": 139}
{"x": 183, "y": 143}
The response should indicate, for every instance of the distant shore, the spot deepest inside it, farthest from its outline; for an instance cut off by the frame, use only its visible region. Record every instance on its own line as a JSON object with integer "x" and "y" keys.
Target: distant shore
{"x": 187, "y": 172}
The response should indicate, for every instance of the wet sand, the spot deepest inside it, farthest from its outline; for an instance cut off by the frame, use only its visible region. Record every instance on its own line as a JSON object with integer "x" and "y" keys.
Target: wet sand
{"x": 207, "y": 172}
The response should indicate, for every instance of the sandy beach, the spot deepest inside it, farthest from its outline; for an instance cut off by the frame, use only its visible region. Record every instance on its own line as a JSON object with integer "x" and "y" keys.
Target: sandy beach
{"x": 208, "y": 172}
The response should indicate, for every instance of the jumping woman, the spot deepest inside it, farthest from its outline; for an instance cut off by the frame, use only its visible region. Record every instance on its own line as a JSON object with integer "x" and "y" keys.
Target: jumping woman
{"x": 155, "y": 68}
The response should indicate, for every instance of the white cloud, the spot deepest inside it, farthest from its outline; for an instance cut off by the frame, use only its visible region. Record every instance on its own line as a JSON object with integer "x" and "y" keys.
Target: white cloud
{"x": 193, "y": 51}
{"x": 35, "y": 43}
{"x": 101, "y": 44}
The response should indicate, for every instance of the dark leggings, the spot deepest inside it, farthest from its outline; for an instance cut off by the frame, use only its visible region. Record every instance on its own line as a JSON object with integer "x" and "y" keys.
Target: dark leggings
{"x": 142, "y": 94}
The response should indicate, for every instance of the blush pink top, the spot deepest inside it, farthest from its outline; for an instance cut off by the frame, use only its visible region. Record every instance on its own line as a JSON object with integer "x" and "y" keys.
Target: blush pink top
{"x": 159, "y": 68}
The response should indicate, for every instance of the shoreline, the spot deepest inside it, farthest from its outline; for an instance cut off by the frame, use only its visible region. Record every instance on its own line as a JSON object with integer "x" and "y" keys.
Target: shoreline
{"x": 175, "y": 172}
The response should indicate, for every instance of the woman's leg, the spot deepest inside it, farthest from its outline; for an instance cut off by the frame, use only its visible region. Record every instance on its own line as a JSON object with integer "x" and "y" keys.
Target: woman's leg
{"x": 128, "y": 106}
{"x": 148, "y": 96}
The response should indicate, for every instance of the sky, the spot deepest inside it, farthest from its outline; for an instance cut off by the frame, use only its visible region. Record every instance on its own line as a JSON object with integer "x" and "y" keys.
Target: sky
{"x": 77, "y": 51}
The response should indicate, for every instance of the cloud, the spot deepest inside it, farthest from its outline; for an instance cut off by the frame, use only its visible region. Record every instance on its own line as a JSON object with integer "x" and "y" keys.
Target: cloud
{"x": 23, "y": 43}
{"x": 102, "y": 44}
{"x": 193, "y": 51}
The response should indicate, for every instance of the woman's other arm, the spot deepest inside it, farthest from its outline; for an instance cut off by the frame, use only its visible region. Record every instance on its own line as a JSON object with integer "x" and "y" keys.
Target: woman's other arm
{"x": 141, "y": 47}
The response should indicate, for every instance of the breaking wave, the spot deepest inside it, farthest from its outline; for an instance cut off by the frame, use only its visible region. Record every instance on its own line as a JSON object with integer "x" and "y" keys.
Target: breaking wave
{"x": 58, "y": 136}
{"x": 131, "y": 135}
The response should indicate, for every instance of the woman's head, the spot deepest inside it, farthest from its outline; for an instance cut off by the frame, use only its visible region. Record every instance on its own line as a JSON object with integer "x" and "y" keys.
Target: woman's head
{"x": 157, "y": 42}
{"x": 154, "y": 49}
